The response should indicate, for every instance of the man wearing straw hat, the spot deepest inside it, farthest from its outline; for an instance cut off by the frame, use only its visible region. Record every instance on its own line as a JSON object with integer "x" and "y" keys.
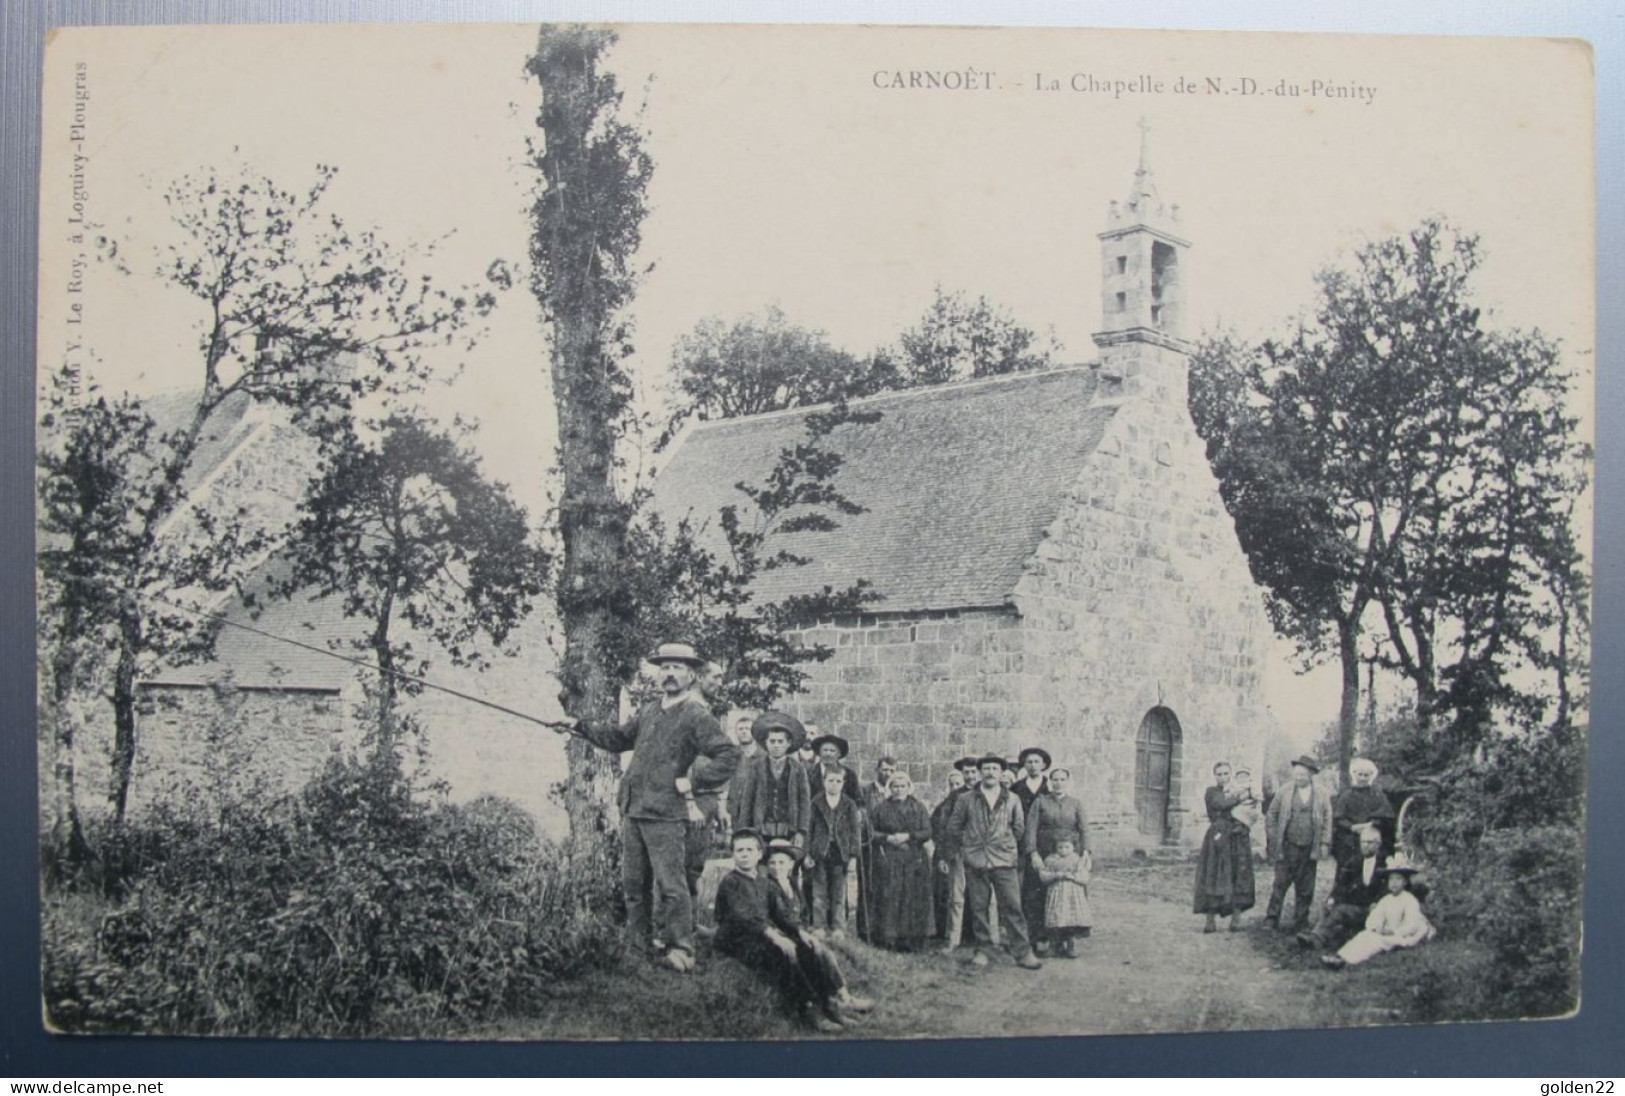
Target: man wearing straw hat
{"x": 679, "y": 754}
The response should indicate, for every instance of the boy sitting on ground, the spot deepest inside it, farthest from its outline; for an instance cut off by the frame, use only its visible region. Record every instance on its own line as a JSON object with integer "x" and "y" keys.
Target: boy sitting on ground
{"x": 759, "y": 924}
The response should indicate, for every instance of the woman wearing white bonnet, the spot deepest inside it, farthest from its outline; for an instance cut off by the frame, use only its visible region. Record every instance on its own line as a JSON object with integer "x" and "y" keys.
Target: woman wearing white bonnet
{"x": 1362, "y": 802}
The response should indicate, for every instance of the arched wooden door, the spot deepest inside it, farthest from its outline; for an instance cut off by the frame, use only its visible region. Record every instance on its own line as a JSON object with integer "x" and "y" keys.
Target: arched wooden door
{"x": 1155, "y": 748}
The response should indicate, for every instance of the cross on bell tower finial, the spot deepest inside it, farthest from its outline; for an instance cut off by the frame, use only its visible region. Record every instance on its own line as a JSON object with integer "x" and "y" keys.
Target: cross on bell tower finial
{"x": 1145, "y": 145}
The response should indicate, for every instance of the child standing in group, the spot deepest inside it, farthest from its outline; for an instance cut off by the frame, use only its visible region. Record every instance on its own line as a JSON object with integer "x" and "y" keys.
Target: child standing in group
{"x": 1067, "y": 917}
{"x": 834, "y": 840}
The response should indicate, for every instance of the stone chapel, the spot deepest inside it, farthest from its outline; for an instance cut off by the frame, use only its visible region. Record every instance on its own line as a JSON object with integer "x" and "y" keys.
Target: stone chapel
{"x": 1057, "y": 567}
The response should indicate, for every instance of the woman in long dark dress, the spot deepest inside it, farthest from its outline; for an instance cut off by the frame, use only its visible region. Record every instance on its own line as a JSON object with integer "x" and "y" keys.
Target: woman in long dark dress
{"x": 899, "y": 829}
{"x": 1224, "y": 873}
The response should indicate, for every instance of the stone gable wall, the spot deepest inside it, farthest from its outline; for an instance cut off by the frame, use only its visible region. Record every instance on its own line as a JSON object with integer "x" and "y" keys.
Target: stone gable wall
{"x": 1140, "y": 596}
{"x": 284, "y": 737}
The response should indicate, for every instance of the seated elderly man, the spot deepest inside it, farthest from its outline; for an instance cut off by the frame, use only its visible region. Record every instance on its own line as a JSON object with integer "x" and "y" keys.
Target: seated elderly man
{"x": 1359, "y": 884}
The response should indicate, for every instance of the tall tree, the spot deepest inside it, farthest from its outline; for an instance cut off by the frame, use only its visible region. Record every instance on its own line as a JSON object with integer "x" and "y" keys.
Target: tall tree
{"x": 1402, "y": 481}
{"x": 962, "y": 339}
{"x": 626, "y": 581}
{"x": 296, "y": 307}
{"x": 586, "y": 226}
{"x": 404, "y": 528}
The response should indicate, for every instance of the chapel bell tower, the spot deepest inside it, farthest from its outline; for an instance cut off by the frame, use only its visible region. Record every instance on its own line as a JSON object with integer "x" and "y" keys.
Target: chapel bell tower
{"x": 1142, "y": 293}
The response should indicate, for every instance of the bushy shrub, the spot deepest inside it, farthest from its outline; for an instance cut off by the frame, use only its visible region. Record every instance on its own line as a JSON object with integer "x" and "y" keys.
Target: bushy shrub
{"x": 1530, "y": 914}
{"x": 1503, "y": 833}
{"x": 357, "y": 908}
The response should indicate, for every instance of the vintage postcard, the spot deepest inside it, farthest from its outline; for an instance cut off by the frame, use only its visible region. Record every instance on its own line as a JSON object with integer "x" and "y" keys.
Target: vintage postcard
{"x": 745, "y": 532}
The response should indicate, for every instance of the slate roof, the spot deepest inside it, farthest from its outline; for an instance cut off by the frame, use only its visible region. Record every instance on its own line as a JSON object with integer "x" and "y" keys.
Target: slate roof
{"x": 960, "y": 482}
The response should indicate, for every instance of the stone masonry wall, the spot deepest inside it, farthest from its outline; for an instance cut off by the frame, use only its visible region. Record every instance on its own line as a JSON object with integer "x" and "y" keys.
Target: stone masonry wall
{"x": 205, "y": 742}
{"x": 193, "y": 738}
{"x": 1141, "y": 596}
{"x": 1138, "y": 596}
{"x": 925, "y": 688}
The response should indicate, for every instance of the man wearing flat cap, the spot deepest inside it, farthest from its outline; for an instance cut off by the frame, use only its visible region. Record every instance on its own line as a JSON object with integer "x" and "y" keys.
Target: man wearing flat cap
{"x": 951, "y": 864}
{"x": 1361, "y": 803}
{"x": 1299, "y": 832}
{"x": 987, "y": 827}
{"x": 679, "y": 753}
{"x": 774, "y": 798}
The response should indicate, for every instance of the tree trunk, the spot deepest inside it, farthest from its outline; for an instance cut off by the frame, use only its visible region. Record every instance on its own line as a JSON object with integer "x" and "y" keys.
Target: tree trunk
{"x": 384, "y": 658}
{"x": 575, "y": 282}
{"x": 130, "y": 640}
{"x": 1348, "y": 652}
{"x": 67, "y": 832}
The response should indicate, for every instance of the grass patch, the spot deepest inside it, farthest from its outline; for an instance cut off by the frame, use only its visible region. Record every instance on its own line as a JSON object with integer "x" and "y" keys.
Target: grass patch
{"x": 1440, "y": 982}
{"x": 721, "y": 999}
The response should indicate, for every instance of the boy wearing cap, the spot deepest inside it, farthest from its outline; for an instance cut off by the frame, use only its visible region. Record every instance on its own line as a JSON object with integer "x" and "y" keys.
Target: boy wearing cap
{"x": 758, "y": 923}
{"x": 1299, "y": 832}
{"x": 679, "y": 753}
{"x": 774, "y": 798}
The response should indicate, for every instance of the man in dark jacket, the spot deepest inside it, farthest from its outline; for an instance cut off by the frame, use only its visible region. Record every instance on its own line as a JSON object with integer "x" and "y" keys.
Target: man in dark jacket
{"x": 956, "y": 930}
{"x": 658, "y": 798}
{"x": 774, "y": 799}
{"x": 987, "y": 827}
{"x": 831, "y": 750}
{"x": 1030, "y": 784}
{"x": 1359, "y": 883}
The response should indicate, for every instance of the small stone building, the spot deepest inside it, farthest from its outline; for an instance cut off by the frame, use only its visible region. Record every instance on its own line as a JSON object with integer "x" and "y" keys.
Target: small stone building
{"x": 278, "y": 699}
{"x": 1056, "y": 564}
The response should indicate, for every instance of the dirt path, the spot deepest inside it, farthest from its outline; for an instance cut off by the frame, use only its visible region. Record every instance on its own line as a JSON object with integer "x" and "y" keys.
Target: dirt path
{"x": 1147, "y": 968}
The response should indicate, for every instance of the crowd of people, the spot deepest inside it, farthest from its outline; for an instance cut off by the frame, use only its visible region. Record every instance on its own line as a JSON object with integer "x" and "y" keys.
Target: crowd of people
{"x": 814, "y": 849}
{"x": 1374, "y": 905}
{"x": 1006, "y": 840}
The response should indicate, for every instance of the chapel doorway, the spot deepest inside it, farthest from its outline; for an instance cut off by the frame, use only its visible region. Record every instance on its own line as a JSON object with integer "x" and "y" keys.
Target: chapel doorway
{"x": 1156, "y": 756}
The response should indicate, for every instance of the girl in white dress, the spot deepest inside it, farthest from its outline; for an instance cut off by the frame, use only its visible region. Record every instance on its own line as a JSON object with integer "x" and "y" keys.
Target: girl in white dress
{"x": 1394, "y": 922}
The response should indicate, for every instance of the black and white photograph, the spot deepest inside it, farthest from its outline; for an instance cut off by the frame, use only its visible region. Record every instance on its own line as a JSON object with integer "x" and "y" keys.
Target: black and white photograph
{"x": 725, "y": 532}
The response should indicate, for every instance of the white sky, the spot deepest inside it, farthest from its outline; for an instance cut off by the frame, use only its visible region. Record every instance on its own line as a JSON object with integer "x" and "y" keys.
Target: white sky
{"x": 783, "y": 175}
